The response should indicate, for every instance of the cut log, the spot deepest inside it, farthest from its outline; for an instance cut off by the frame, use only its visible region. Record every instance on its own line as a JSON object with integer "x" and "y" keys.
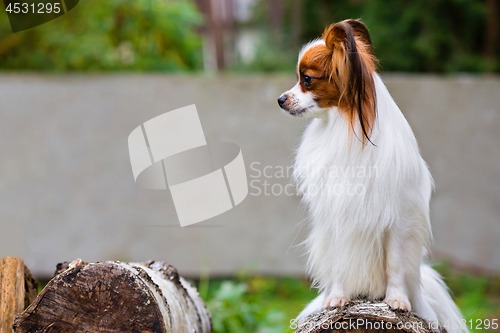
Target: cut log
{"x": 18, "y": 289}
{"x": 365, "y": 316}
{"x": 116, "y": 297}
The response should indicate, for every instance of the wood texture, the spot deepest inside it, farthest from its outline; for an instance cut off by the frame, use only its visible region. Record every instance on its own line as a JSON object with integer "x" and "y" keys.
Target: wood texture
{"x": 116, "y": 297}
{"x": 364, "y": 316}
{"x": 18, "y": 289}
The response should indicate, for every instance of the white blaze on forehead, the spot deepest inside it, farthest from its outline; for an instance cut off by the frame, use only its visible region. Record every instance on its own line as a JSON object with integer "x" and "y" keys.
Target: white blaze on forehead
{"x": 309, "y": 46}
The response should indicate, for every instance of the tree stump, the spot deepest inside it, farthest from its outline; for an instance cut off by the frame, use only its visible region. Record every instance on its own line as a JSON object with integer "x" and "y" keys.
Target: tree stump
{"x": 365, "y": 316}
{"x": 116, "y": 297}
{"x": 18, "y": 289}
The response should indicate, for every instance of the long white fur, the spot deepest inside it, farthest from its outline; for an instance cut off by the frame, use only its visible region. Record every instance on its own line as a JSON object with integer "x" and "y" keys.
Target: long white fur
{"x": 369, "y": 211}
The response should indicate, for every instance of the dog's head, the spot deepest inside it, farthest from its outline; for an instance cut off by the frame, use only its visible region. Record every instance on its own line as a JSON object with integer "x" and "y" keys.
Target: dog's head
{"x": 336, "y": 71}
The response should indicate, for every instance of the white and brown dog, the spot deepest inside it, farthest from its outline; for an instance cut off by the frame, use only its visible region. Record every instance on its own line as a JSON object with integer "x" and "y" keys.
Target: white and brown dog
{"x": 364, "y": 181}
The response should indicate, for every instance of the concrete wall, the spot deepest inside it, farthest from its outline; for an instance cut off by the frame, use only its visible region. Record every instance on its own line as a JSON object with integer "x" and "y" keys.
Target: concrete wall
{"x": 67, "y": 191}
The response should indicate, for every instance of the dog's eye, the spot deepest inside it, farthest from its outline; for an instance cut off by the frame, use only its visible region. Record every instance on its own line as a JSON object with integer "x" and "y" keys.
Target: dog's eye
{"x": 307, "y": 80}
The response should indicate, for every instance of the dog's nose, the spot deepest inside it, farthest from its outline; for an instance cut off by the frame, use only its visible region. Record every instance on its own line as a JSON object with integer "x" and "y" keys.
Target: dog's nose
{"x": 282, "y": 100}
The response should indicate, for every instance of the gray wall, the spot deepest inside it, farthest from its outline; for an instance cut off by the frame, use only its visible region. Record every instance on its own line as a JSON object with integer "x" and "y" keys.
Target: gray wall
{"x": 67, "y": 191}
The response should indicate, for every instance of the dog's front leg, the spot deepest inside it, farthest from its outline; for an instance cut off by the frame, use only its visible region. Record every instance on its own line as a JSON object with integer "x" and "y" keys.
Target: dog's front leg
{"x": 336, "y": 297}
{"x": 399, "y": 262}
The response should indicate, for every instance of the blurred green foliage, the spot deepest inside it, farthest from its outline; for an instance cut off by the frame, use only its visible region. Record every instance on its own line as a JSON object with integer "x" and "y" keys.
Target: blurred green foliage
{"x": 108, "y": 35}
{"x": 412, "y": 36}
{"x": 161, "y": 35}
{"x": 256, "y": 304}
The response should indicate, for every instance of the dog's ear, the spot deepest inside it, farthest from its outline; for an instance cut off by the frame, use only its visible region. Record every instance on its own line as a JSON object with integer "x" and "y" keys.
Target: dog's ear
{"x": 338, "y": 35}
{"x": 361, "y": 31}
{"x": 352, "y": 67}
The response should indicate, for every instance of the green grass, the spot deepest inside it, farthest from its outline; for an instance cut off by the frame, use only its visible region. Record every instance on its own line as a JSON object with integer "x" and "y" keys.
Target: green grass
{"x": 256, "y": 304}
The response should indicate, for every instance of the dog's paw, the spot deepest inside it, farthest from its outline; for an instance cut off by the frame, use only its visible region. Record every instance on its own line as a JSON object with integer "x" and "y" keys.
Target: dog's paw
{"x": 336, "y": 301}
{"x": 398, "y": 303}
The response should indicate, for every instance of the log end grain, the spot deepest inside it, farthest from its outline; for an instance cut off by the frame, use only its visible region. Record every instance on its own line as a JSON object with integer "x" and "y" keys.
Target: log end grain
{"x": 116, "y": 297}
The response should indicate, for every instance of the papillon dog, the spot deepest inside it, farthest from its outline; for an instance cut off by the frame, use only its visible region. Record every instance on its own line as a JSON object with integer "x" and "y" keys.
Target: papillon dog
{"x": 366, "y": 186}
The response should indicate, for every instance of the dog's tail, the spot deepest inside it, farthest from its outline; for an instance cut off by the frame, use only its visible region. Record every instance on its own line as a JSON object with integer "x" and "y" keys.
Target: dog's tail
{"x": 437, "y": 295}
{"x": 315, "y": 306}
